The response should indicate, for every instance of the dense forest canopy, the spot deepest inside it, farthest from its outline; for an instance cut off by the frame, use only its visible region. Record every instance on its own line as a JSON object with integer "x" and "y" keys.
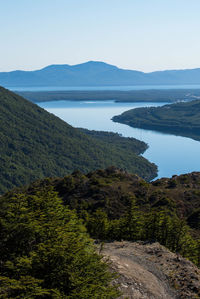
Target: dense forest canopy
{"x": 45, "y": 251}
{"x": 181, "y": 118}
{"x": 35, "y": 144}
{"x": 112, "y": 190}
{"x": 115, "y": 205}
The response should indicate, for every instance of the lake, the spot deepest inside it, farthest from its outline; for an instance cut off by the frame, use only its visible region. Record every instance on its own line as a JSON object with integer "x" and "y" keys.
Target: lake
{"x": 172, "y": 154}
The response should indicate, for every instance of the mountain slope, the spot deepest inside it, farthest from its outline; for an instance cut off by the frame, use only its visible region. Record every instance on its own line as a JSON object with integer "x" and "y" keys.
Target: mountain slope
{"x": 95, "y": 73}
{"x": 115, "y": 205}
{"x": 41, "y": 239}
{"x": 35, "y": 144}
{"x": 112, "y": 191}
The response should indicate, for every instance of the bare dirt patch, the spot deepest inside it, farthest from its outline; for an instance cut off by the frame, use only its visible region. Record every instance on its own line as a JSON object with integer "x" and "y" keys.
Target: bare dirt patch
{"x": 150, "y": 271}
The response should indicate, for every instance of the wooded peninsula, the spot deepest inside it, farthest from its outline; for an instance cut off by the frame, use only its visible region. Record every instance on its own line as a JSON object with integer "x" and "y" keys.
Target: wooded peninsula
{"x": 181, "y": 119}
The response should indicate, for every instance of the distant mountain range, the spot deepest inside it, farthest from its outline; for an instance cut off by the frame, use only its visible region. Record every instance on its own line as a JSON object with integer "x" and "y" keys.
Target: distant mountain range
{"x": 95, "y": 73}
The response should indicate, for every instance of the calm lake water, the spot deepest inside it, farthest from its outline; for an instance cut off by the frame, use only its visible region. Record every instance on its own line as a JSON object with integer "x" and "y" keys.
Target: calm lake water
{"x": 172, "y": 154}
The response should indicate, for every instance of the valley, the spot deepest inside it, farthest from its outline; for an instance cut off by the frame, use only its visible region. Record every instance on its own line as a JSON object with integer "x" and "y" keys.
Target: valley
{"x": 35, "y": 144}
{"x": 108, "y": 205}
{"x": 99, "y": 150}
{"x": 97, "y": 115}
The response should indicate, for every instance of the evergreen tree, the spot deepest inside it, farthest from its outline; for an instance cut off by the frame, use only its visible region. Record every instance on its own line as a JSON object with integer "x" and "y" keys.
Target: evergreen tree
{"x": 132, "y": 223}
{"x": 45, "y": 251}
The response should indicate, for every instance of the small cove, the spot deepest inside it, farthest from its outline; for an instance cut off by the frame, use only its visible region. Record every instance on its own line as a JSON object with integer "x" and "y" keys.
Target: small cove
{"x": 172, "y": 154}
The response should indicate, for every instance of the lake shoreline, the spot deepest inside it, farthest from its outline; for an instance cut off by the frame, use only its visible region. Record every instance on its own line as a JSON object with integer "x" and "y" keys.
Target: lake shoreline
{"x": 121, "y": 96}
{"x": 172, "y": 154}
{"x": 180, "y": 119}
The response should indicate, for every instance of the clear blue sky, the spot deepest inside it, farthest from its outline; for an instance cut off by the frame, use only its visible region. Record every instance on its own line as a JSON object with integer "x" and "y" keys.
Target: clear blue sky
{"x": 145, "y": 35}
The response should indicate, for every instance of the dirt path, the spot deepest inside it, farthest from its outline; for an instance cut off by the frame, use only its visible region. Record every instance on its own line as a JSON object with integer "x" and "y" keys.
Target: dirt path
{"x": 150, "y": 271}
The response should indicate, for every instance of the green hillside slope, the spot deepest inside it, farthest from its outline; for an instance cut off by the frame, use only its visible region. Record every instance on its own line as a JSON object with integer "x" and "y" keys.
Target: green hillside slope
{"x": 112, "y": 190}
{"x": 115, "y": 205}
{"x": 35, "y": 144}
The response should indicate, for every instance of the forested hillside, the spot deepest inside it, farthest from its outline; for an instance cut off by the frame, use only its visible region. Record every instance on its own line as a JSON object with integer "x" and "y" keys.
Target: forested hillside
{"x": 46, "y": 252}
{"x": 115, "y": 205}
{"x": 181, "y": 119}
{"x": 35, "y": 144}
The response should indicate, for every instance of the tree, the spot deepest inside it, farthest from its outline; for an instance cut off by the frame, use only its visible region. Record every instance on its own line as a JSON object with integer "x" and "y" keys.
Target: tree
{"x": 45, "y": 251}
{"x": 132, "y": 223}
{"x": 98, "y": 225}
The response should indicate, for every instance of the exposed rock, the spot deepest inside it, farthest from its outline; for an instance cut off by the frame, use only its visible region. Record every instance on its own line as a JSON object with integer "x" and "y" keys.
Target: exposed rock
{"x": 150, "y": 271}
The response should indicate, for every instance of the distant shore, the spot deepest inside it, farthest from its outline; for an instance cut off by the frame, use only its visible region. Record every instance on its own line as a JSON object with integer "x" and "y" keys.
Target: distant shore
{"x": 152, "y": 95}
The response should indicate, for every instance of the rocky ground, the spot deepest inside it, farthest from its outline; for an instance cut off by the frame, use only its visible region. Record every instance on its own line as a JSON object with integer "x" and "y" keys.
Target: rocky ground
{"x": 150, "y": 271}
